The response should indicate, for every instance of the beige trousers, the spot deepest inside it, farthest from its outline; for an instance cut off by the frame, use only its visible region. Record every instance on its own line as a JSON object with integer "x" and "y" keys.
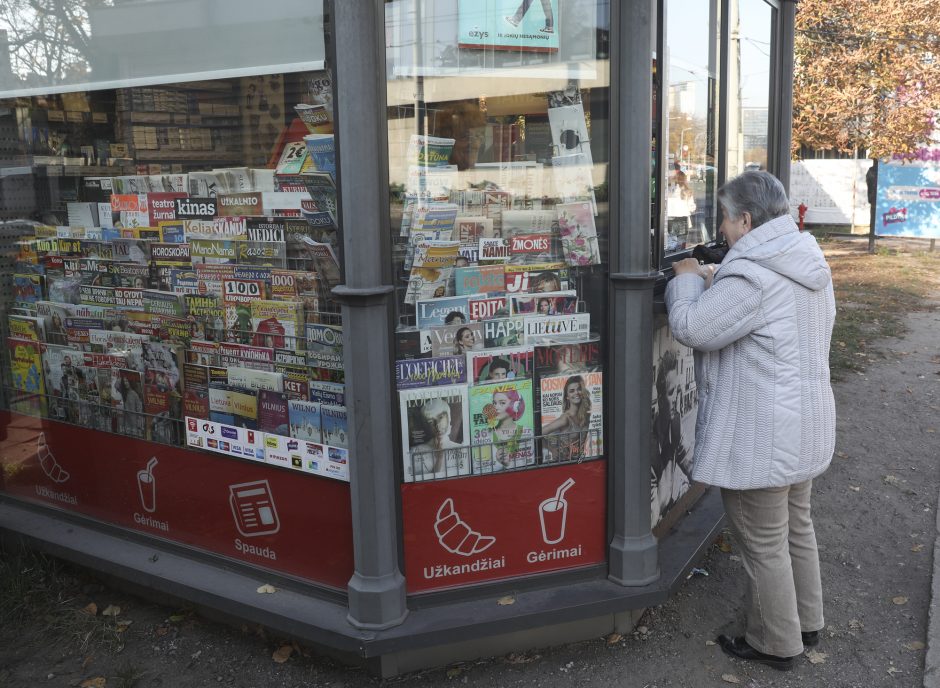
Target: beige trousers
{"x": 775, "y": 533}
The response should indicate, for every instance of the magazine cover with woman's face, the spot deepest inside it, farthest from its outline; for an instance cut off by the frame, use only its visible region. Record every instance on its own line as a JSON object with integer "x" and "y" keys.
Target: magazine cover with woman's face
{"x": 434, "y": 424}
{"x": 572, "y": 420}
{"x": 501, "y": 425}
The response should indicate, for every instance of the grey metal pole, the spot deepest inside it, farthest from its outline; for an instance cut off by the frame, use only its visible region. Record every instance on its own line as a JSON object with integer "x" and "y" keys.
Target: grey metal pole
{"x": 784, "y": 92}
{"x": 633, "y": 549}
{"x": 377, "y": 587}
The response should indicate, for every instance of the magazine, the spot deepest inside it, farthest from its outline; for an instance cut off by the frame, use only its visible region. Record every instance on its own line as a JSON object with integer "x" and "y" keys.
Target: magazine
{"x": 277, "y": 324}
{"x": 546, "y": 277}
{"x": 26, "y": 377}
{"x": 479, "y": 279}
{"x": 324, "y": 260}
{"x": 430, "y": 372}
{"x": 578, "y": 233}
{"x": 162, "y": 422}
{"x": 452, "y": 340}
{"x": 574, "y": 327}
{"x": 162, "y": 362}
{"x": 493, "y": 365}
{"x": 333, "y": 425}
{"x": 560, "y": 358}
{"x": 430, "y": 151}
{"x": 572, "y": 417}
{"x": 448, "y": 310}
{"x": 127, "y": 402}
{"x": 470, "y": 229}
{"x": 321, "y": 149}
{"x": 304, "y": 418}
{"x": 502, "y": 425}
{"x": 273, "y": 413}
{"x": 545, "y": 303}
{"x": 431, "y": 271}
{"x": 324, "y": 346}
{"x": 434, "y": 426}
{"x": 254, "y": 380}
{"x": 232, "y": 406}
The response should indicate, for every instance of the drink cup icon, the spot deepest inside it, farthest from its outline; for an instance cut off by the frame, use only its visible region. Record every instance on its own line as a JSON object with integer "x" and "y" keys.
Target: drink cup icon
{"x": 147, "y": 486}
{"x": 553, "y": 514}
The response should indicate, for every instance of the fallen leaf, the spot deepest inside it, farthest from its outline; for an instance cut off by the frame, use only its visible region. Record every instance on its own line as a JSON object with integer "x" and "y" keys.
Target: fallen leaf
{"x": 917, "y": 548}
{"x": 816, "y": 657}
{"x": 266, "y": 589}
{"x": 842, "y": 455}
{"x": 97, "y": 682}
{"x": 730, "y": 678}
{"x": 454, "y": 672}
{"x": 899, "y": 600}
{"x": 931, "y": 430}
{"x": 710, "y": 642}
{"x": 724, "y": 545}
{"x": 88, "y": 660}
{"x": 123, "y": 625}
{"x": 111, "y": 610}
{"x": 614, "y": 638}
{"x": 521, "y": 658}
{"x": 508, "y": 599}
{"x": 176, "y": 618}
{"x": 854, "y": 488}
{"x": 856, "y": 625}
{"x": 283, "y": 653}
{"x": 891, "y": 480}
{"x": 91, "y": 609}
{"x": 914, "y": 645}
{"x": 161, "y": 631}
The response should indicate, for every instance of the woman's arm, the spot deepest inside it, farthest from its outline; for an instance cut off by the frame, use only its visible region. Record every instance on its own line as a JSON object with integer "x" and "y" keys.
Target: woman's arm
{"x": 557, "y": 425}
{"x": 709, "y": 320}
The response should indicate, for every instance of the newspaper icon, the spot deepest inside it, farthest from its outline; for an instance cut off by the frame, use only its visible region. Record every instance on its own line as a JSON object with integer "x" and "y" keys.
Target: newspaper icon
{"x": 253, "y": 508}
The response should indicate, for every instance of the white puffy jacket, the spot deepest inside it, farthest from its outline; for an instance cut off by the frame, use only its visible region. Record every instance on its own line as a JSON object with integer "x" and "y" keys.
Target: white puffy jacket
{"x": 766, "y": 413}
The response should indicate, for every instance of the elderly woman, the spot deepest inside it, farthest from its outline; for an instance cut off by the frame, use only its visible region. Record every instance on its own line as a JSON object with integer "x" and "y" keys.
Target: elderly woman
{"x": 761, "y": 326}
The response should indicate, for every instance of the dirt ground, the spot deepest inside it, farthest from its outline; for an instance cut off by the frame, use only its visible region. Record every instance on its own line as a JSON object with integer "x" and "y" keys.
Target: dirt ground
{"x": 875, "y": 519}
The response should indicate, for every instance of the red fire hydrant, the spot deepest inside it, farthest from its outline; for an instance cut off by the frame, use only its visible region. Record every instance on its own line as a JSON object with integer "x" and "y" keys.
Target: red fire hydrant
{"x": 803, "y": 208}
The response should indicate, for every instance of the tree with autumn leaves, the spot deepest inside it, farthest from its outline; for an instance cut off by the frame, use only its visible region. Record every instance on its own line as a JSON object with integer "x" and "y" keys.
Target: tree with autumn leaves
{"x": 866, "y": 75}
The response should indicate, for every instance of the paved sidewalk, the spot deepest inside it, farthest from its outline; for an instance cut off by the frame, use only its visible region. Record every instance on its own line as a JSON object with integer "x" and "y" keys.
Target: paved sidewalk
{"x": 876, "y": 518}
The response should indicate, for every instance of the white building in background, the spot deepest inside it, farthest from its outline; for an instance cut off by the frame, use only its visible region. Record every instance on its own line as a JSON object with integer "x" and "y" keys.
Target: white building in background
{"x": 833, "y": 190}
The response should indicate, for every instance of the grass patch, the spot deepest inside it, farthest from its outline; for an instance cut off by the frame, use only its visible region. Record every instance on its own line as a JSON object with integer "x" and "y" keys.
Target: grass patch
{"x": 873, "y": 294}
{"x": 36, "y": 586}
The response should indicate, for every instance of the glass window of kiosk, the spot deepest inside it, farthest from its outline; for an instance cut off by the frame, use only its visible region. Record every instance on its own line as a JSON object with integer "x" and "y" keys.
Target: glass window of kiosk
{"x": 749, "y": 77}
{"x": 499, "y": 151}
{"x": 169, "y": 247}
{"x": 691, "y": 123}
{"x": 170, "y": 259}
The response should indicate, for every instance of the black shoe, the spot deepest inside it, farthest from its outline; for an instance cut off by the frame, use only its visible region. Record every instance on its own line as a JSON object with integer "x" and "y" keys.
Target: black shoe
{"x": 738, "y": 647}
{"x": 810, "y": 638}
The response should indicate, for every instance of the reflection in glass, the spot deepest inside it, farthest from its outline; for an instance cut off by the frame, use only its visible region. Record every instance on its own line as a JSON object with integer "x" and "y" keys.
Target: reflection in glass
{"x": 691, "y": 123}
{"x": 498, "y": 150}
{"x": 748, "y": 85}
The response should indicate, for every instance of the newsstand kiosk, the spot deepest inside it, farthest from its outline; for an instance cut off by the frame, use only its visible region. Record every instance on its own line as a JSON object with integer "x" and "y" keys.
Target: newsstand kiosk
{"x": 363, "y": 301}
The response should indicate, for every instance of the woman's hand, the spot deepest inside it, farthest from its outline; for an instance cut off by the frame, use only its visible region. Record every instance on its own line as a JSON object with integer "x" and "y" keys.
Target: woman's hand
{"x": 690, "y": 265}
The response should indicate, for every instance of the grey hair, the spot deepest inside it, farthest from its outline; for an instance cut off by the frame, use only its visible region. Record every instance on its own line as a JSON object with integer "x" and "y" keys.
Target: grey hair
{"x": 435, "y": 407}
{"x": 756, "y": 192}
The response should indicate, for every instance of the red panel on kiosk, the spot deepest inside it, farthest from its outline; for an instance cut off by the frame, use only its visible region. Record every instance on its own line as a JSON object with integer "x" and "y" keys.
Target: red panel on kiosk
{"x": 290, "y": 522}
{"x": 485, "y": 528}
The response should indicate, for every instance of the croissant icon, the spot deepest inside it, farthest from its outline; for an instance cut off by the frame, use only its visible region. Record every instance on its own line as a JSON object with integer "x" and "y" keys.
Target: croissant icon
{"x": 456, "y": 536}
{"x": 47, "y": 462}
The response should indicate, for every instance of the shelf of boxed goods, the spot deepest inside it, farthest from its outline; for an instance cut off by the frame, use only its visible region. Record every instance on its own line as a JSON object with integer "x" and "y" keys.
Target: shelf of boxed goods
{"x": 187, "y": 156}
